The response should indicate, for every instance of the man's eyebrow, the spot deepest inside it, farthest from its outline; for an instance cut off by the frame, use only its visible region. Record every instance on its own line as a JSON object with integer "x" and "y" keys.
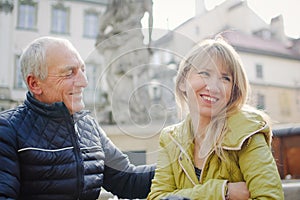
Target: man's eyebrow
{"x": 68, "y": 67}
{"x": 65, "y": 68}
{"x": 61, "y": 70}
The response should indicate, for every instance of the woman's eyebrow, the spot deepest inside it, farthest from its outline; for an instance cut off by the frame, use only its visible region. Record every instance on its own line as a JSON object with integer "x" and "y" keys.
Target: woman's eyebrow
{"x": 225, "y": 74}
{"x": 202, "y": 68}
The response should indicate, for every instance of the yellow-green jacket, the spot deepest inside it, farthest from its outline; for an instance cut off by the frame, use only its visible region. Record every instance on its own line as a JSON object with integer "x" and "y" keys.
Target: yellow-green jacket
{"x": 248, "y": 153}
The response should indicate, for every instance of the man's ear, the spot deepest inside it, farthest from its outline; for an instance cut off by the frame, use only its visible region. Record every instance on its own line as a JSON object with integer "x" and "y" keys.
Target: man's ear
{"x": 34, "y": 84}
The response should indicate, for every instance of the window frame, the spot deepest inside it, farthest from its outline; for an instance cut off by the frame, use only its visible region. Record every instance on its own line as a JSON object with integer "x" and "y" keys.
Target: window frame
{"x": 55, "y": 28}
{"x": 261, "y": 101}
{"x": 27, "y": 15}
{"x": 18, "y": 78}
{"x": 87, "y": 26}
{"x": 259, "y": 71}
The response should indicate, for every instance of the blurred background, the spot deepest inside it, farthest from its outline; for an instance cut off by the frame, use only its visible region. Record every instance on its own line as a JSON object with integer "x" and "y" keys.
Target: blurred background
{"x": 132, "y": 49}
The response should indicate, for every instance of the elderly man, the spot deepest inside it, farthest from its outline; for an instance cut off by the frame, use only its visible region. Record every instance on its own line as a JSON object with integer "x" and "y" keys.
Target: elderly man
{"x": 50, "y": 147}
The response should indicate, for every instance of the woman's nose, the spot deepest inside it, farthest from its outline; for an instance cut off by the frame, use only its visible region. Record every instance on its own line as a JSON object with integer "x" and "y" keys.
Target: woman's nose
{"x": 213, "y": 85}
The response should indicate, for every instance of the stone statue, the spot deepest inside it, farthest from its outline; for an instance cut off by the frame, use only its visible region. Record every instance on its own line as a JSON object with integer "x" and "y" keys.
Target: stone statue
{"x": 124, "y": 15}
{"x": 121, "y": 42}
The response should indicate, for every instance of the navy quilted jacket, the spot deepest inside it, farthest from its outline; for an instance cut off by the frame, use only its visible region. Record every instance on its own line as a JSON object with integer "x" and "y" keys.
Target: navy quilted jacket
{"x": 46, "y": 153}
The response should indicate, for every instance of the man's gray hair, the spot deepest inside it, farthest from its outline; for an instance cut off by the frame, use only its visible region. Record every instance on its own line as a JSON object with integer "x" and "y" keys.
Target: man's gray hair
{"x": 33, "y": 58}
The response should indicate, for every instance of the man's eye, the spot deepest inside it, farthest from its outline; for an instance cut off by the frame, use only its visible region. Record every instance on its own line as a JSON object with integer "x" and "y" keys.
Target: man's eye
{"x": 69, "y": 73}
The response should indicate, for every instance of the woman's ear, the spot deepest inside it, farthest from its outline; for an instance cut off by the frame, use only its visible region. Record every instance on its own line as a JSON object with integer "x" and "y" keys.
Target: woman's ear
{"x": 34, "y": 84}
{"x": 182, "y": 85}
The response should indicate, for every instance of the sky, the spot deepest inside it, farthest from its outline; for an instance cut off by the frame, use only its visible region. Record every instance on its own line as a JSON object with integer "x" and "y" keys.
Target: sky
{"x": 168, "y": 14}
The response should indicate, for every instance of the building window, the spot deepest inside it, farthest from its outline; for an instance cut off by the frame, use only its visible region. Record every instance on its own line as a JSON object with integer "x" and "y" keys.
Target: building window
{"x": 27, "y": 15}
{"x": 259, "y": 71}
{"x": 60, "y": 19}
{"x": 91, "y": 94}
{"x": 298, "y": 99}
{"x": 260, "y": 101}
{"x": 155, "y": 90}
{"x": 197, "y": 30}
{"x": 167, "y": 57}
{"x": 91, "y": 24}
{"x": 137, "y": 157}
{"x": 91, "y": 74}
{"x": 285, "y": 103}
{"x": 19, "y": 82}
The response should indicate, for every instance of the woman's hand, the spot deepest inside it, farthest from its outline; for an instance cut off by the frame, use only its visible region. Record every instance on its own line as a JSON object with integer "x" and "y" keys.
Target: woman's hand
{"x": 238, "y": 191}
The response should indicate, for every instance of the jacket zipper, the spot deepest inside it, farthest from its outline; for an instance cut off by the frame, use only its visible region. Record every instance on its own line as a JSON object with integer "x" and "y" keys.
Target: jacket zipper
{"x": 77, "y": 157}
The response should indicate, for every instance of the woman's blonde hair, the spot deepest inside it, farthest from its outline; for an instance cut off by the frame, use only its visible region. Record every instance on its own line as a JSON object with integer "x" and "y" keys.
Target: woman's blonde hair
{"x": 208, "y": 52}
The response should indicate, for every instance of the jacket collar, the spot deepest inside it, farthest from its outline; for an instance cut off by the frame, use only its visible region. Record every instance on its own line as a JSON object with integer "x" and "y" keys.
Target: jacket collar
{"x": 183, "y": 138}
{"x": 55, "y": 110}
{"x": 183, "y": 132}
{"x": 182, "y": 135}
{"x": 241, "y": 125}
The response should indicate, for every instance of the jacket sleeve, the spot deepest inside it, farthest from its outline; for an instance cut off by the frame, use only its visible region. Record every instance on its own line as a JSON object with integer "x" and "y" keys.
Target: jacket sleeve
{"x": 260, "y": 172}
{"x": 164, "y": 183}
{"x": 9, "y": 167}
{"x": 123, "y": 178}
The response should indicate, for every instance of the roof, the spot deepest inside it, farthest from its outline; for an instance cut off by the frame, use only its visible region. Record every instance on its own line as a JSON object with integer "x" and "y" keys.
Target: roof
{"x": 255, "y": 44}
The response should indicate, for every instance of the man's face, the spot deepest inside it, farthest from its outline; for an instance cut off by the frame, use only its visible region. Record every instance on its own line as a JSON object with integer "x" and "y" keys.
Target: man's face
{"x": 66, "y": 78}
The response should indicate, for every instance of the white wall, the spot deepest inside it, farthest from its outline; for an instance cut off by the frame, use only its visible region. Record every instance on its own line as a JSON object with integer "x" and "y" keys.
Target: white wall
{"x": 276, "y": 71}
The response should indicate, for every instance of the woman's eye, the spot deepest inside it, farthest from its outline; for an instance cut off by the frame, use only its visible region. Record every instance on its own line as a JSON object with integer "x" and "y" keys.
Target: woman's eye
{"x": 226, "y": 78}
{"x": 203, "y": 74}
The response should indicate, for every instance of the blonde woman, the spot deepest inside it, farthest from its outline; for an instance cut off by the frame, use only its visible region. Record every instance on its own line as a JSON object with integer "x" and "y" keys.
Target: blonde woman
{"x": 222, "y": 149}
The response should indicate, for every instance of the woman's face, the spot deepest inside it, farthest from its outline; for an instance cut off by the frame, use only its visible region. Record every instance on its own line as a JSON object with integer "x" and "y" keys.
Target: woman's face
{"x": 208, "y": 89}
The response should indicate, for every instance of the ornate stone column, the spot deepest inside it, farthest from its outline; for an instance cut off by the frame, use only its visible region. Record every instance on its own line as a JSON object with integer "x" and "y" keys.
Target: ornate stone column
{"x": 6, "y": 55}
{"x": 6, "y": 6}
{"x": 6, "y": 27}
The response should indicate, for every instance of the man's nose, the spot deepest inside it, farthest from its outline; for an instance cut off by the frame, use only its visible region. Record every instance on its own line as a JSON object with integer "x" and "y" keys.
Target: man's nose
{"x": 81, "y": 79}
